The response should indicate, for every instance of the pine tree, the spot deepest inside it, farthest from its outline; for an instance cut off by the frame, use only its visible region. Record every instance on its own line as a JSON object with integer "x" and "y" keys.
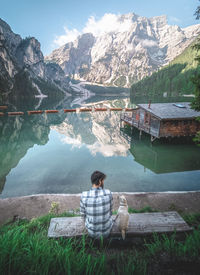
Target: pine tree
{"x": 196, "y": 79}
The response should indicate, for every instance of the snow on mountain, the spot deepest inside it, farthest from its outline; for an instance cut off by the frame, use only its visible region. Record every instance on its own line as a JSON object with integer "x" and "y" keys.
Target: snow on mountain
{"x": 122, "y": 49}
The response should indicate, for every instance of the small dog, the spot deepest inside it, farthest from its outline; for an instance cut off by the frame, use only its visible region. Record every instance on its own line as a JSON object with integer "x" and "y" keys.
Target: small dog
{"x": 123, "y": 216}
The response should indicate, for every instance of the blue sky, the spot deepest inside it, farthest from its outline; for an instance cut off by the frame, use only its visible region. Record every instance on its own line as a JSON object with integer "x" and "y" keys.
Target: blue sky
{"x": 47, "y": 20}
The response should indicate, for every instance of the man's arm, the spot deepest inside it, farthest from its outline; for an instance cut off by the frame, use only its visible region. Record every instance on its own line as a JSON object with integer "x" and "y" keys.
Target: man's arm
{"x": 82, "y": 210}
{"x": 111, "y": 204}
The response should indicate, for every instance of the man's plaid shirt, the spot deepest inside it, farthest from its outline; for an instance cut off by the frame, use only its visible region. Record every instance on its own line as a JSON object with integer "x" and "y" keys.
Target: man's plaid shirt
{"x": 96, "y": 209}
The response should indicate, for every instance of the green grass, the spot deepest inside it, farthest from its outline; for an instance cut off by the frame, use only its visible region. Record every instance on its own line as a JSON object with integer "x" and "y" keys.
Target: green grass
{"x": 25, "y": 249}
{"x": 189, "y": 248}
{"x": 192, "y": 219}
{"x": 146, "y": 209}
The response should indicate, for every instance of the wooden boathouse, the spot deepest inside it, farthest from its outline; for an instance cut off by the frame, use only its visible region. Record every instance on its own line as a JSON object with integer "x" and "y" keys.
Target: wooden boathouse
{"x": 163, "y": 119}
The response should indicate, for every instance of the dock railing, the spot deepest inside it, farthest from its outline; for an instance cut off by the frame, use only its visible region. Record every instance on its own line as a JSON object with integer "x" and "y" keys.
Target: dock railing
{"x": 129, "y": 119}
{"x": 136, "y": 123}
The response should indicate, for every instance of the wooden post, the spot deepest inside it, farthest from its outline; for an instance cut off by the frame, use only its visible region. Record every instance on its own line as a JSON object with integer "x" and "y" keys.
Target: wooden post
{"x": 152, "y": 139}
{"x": 120, "y": 125}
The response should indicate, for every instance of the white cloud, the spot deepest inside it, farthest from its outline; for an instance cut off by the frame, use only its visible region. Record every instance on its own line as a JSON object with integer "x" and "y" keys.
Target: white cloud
{"x": 75, "y": 142}
{"x": 108, "y": 23}
{"x": 108, "y": 150}
{"x": 69, "y": 36}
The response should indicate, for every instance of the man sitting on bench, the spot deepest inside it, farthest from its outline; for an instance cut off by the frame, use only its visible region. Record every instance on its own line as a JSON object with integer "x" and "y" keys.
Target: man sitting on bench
{"x": 96, "y": 207}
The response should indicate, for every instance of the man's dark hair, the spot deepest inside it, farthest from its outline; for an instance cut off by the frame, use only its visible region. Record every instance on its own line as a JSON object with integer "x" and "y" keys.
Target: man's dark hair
{"x": 96, "y": 176}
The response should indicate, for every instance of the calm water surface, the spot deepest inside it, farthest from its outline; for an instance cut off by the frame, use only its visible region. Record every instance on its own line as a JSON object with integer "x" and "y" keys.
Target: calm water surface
{"x": 56, "y": 153}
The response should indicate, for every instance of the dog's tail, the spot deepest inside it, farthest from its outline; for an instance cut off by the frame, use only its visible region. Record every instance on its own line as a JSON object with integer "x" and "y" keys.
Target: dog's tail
{"x": 123, "y": 234}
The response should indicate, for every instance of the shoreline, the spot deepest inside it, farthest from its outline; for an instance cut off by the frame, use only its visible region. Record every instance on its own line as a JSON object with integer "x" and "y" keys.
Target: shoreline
{"x": 37, "y": 205}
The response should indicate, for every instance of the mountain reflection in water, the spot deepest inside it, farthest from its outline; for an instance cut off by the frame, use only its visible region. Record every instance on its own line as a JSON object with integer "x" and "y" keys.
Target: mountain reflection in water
{"x": 56, "y": 153}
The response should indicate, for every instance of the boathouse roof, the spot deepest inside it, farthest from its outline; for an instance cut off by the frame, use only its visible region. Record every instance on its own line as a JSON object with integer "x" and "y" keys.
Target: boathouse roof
{"x": 179, "y": 110}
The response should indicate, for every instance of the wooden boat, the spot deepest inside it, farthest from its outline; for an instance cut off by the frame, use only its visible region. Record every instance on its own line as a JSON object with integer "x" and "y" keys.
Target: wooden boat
{"x": 3, "y": 107}
{"x": 128, "y": 109}
{"x": 35, "y": 112}
{"x": 15, "y": 113}
{"x": 100, "y": 109}
{"x": 69, "y": 110}
{"x": 116, "y": 109}
{"x": 85, "y": 110}
{"x": 51, "y": 111}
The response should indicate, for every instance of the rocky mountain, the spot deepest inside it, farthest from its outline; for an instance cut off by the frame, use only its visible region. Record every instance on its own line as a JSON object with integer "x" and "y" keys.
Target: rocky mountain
{"x": 125, "y": 55}
{"x": 22, "y": 64}
{"x": 172, "y": 80}
{"x": 99, "y": 132}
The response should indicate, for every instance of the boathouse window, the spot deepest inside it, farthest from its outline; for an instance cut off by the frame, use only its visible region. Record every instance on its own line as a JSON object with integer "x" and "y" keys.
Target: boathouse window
{"x": 175, "y": 122}
{"x": 187, "y": 122}
{"x": 147, "y": 118}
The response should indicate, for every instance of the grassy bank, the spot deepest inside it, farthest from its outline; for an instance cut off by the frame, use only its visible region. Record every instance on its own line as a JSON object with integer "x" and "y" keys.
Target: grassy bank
{"x": 25, "y": 249}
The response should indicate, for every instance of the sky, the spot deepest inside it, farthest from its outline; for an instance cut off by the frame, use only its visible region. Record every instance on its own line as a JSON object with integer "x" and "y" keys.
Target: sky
{"x": 55, "y": 22}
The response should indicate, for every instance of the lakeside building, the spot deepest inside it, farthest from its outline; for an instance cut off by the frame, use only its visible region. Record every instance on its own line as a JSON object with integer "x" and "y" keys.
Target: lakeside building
{"x": 163, "y": 119}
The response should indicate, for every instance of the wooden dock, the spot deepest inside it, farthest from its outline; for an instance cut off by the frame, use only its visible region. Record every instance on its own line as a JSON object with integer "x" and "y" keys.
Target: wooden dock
{"x": 139, "y": 225}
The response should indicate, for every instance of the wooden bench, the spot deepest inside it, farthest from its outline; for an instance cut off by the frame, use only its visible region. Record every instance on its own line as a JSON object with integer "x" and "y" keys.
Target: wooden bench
{"x": 139, "y": 225}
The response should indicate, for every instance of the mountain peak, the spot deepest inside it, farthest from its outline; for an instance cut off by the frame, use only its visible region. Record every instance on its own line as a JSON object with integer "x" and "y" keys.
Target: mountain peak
{"x": 161, "y": 18}
{"x": 123, "y": 49}
{"x": 128, "y": 16}
{"x": 4, "y": 25}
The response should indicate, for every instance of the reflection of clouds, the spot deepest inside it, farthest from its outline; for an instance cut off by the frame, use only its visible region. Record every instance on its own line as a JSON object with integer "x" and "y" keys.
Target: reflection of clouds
{"x": 99, "y": 132}
{"x": 108, "y": 150}
{"x": 76, "y": 142}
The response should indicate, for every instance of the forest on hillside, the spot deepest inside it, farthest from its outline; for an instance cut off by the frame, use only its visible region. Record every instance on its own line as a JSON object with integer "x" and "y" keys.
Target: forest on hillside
{"x": 173, "y": 79}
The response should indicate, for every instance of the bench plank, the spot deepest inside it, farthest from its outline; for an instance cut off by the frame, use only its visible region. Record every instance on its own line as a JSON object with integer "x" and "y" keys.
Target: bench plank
{"x": 139, "y": 224}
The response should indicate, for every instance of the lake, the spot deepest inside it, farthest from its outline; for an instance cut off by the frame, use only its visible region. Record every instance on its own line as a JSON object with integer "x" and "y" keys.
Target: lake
{"x": 56, "y": 153}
